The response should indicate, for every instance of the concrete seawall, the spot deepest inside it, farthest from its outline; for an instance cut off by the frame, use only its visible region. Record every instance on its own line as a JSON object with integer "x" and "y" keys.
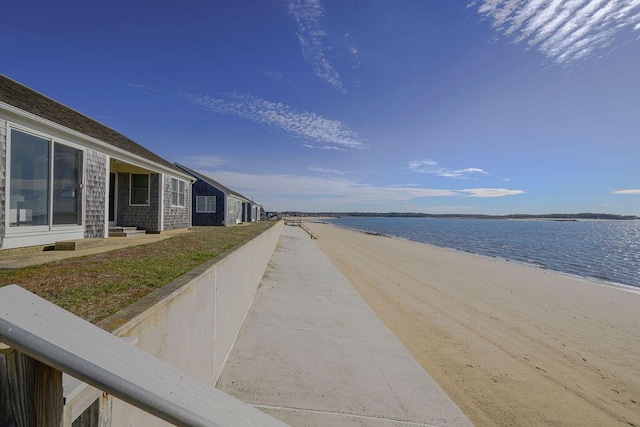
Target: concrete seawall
{"x": 193, "y": 322}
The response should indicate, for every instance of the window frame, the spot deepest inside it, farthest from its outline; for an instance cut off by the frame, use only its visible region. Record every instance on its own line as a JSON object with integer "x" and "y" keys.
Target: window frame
{"x": 178, "y": 195}
{"x": 28, "y": 230}
{"x": 206, "y": 204}
{"x": 131, "y": 188}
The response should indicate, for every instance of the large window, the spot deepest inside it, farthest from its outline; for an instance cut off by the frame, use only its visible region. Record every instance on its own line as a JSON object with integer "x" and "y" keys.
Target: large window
{"x": 177, "y": 192}
{"x": 33, "y": 186}
{"x": 139, "y": 189}
{"x": 29, "y": 182}
{"x": 205, "y": 204}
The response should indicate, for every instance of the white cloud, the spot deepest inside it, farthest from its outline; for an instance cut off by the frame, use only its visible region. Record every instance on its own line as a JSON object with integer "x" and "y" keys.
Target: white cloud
{"x": 627, "y": 192}
{"x": 336, "y": 193}
{"x": 326, "y": 171}
{"x": 323, "y": 147}
{"x": 563, "y": 30}
{"x": 491, "y": 192}
{"x": 307, "y": 14}
{"x": 310, "y": 126}
{"x": 431, "y": 167}
{"x": 205, "y": 161}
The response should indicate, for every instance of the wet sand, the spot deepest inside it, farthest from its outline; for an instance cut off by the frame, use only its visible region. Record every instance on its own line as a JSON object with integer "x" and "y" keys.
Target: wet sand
{"x": 510, "y": 344}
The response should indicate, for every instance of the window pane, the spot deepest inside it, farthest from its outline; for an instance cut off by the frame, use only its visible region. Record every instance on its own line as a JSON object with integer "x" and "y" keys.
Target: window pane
{"x": 205, "y": 203}
{"x": 29, "y": 181}
{"x": 140, "y": 180}
{"x": 67, "y": 176}
{"x": 139, "y": 189}
{"x": 177, "y": 192}
{"x": 139, "y": 196}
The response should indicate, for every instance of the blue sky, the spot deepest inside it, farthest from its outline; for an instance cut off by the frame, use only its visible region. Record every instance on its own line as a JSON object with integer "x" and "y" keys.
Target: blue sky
{"x": 494, "y": 106}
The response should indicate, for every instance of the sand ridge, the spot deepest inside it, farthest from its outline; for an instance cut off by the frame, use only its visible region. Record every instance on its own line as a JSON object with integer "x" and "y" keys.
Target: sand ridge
{"x": 510, "y": 344}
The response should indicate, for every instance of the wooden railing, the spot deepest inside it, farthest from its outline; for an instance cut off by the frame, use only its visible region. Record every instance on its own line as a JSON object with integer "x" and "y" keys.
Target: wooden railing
{"x": 41, "y": 341}
{"x": 298, "y": 223}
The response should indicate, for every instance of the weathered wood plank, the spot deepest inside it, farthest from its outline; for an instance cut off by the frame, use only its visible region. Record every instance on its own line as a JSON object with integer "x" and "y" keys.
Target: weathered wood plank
{"x": 30, "y": 391}
{"x": 18, "y": 370}
{"x": 62, "y": 340}
{"x": 47, "y": 395}
{"x": 78, "y": 397}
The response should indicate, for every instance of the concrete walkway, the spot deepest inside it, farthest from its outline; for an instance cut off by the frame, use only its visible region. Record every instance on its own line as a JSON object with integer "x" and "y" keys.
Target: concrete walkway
{"x": 312, "y": 352}
{"x": 35, "y": 255}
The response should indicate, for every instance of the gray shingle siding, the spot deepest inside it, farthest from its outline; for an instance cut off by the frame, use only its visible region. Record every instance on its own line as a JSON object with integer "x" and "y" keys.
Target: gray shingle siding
{"x": 176, "y": 217}
{"x": 3, "y": 175}
{"x": 95, "y": 193}
{"x": 143, "y": 217}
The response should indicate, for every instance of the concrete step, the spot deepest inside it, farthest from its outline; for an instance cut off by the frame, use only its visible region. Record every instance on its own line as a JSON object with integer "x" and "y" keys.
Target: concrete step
{"x": 124, "y": 231}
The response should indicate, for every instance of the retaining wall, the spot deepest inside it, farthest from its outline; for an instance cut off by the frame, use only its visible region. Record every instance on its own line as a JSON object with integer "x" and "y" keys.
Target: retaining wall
{"x": 193, "y": 322}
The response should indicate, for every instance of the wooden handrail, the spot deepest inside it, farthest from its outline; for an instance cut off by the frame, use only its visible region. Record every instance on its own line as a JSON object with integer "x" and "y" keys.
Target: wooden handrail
{"x": 67, "y": 343}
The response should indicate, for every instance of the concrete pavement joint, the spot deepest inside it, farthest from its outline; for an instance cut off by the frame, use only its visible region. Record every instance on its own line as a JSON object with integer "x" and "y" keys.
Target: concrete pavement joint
{"x": 344, "y": 414}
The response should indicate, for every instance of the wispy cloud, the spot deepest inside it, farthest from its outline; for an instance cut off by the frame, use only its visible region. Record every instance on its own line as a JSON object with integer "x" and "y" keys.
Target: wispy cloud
{"x": 326, "y": 171}
{"x": 431, "y": 167}
{"x": 323, "y": 132}
{"x": 563, "y": 30}
{"x": 205, "y": 161}
{"x": 307, "y": 14}
{"x": 145, "y": 87}
{"x": 491, "y": 192}
{"x": 337, "y": 193}
{"x": 627, "y": 192}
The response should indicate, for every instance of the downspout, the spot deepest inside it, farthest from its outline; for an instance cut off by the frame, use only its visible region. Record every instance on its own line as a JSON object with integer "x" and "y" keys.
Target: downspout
{"x": 161, "y": 203}
{"x": 108, "y": 187}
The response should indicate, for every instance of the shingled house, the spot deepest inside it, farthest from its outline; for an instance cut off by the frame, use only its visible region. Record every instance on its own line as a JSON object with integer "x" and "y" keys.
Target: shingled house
{"x": 215, "y": 204}
{"x": 64, "y": 176}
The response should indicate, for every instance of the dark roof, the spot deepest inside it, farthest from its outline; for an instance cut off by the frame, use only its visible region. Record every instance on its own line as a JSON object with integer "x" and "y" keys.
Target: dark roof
{"x": 210, "y": 181}
{"x": 20, "y": 96}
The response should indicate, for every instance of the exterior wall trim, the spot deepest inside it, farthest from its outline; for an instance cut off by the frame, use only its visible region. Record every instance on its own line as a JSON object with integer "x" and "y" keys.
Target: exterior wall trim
{"x": 163, "y": 177}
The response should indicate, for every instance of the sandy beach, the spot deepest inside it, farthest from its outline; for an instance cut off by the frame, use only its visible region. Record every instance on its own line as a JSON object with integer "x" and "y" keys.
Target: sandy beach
{"x": 510, "y": 344}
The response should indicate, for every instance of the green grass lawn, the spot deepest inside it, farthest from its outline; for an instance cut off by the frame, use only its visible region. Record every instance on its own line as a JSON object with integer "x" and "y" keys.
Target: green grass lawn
{"x": 96, "y": 286}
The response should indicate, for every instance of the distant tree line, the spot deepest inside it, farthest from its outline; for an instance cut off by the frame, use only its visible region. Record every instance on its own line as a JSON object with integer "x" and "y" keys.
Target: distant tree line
{"x": 556, "y": 216}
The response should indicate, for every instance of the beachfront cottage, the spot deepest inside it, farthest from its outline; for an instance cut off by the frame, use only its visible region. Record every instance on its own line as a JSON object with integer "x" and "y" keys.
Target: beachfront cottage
{"x": 215, "y": 204}
{"x": 64, "y": 176}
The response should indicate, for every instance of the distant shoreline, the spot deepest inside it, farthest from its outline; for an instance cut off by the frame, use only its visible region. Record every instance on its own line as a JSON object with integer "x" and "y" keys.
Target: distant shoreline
{"x": 548, "y": 217}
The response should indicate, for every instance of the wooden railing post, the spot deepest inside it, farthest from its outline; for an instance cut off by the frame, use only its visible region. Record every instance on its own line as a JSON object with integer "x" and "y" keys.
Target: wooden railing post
{"x": 30, "y": 391}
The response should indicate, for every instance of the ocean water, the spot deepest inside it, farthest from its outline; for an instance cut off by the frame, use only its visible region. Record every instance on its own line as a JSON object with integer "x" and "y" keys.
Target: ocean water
{"x": 607, "y": 251}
